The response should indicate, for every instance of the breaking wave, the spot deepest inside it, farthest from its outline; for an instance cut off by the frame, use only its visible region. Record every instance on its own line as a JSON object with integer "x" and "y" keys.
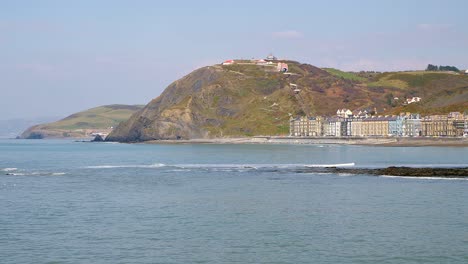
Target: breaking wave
{"x": 157, "y": 165}
{"x": 224, "y": 167}
{"x": 340, "y": 165}
{"x": 36, "y": 173}
{"x": 10, "y": 169}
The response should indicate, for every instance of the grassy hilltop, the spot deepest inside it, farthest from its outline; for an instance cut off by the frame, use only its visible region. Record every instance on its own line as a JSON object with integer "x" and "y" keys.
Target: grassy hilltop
{"x": 249, "y": 99}
{"x": 99, "y": 119}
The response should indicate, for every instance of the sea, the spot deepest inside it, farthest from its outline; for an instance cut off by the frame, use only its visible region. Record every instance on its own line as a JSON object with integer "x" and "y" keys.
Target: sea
{"x": 74, "y": 202}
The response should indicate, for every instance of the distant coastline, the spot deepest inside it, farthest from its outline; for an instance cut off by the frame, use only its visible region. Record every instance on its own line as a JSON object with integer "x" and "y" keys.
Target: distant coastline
{"x": 388, "y": 142}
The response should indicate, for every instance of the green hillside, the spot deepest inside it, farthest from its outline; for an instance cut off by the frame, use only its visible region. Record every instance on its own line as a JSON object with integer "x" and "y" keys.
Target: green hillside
{"x": 441, "y": 92}
{"x": 99, "y": 119}
{"x": 345, "y": 75}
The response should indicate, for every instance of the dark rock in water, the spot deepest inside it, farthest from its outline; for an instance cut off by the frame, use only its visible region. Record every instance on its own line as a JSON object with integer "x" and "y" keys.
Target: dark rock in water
{"x": 407, "y": 171}
{"x": 422, "y": 172}
{"x": 98, "y": 138}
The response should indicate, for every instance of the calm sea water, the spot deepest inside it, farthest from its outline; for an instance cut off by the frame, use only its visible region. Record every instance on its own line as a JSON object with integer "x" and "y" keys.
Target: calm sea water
{"x": 68, "y": 202}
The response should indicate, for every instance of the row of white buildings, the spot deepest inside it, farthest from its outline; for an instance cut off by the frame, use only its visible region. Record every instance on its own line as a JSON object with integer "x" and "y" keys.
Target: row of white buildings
{"x": 345, "y": 124}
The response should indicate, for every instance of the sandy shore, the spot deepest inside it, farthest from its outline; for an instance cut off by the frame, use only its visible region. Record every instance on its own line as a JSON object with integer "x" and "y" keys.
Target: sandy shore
{"x": 390, "y": 142}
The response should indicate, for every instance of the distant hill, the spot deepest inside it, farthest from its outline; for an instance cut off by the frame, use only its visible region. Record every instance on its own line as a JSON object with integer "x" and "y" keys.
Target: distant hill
{"x": 100, "y": 119}
{"x": 245, "y": 99}
{"x": 12, "y": 128}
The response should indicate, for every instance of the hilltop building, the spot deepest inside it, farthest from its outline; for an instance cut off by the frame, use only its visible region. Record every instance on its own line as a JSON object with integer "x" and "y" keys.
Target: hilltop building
{"x": 270, "y": 57}
{"x": 228, "y": 62}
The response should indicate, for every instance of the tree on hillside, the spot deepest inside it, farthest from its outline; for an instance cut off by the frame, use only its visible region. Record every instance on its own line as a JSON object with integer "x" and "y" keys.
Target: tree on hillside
{"x": 431, "y": 67}
{"x": 448, "y": 68}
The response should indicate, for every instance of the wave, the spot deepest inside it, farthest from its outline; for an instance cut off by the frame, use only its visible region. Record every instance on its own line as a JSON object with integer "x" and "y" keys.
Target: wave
{"x": 36, "y": 173}
{"x": 224, "y": 167}
{"x": 58, "y": 173}
{"x": 260, "y": 166}
{"x": 10, "y": 169}
{"x": 15, "y": 174}
{"x": 157, "y": 165}
{"x": 331, "y": 165}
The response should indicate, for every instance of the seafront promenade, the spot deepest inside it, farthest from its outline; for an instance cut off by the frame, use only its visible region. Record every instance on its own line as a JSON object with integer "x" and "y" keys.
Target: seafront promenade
{"x": 382, "y": 141}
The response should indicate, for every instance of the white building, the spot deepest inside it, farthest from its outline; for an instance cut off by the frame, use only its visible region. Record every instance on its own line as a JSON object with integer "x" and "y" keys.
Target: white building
{"x": 344, "y": 113}
{"x": 413, "y": 100}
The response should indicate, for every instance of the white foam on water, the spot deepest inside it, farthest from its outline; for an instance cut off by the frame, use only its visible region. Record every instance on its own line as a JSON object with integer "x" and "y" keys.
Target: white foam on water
{"x": 236, "y": 167}
{"x": 156, "y": 165}
{"x": 319, "y": 173}
{"x": 330, "y": 165}
{"x": 58, "y": 173}
{"x": 261, "y": 166}
{"x": 346, "y": 174}
{"x": 221, "y": 166}
{"x": 10, "y": 169}
{"x": 16, "y": 174}
{"x": 36, "y": 173}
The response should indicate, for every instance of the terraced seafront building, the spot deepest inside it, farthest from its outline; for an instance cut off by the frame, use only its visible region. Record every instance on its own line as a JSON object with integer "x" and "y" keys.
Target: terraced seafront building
{"x": 306, "y": 126}
{"x": 454, "y": 124}
{"x": 405, "y": 125}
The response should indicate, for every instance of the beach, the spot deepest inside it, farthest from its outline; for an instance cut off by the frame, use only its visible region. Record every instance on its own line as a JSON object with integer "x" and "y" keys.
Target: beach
{"x": 390, "y": 142}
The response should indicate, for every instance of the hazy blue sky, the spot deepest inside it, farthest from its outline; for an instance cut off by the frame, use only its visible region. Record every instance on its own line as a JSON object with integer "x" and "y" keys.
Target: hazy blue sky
{"x": 59, "y": 57}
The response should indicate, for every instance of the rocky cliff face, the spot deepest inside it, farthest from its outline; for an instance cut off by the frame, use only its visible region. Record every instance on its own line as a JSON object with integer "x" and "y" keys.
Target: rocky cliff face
{"x": 234, "y": 100}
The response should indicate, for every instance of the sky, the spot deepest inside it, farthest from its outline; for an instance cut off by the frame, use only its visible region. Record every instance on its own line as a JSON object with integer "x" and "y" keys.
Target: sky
{"x": 61, "y": 57}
